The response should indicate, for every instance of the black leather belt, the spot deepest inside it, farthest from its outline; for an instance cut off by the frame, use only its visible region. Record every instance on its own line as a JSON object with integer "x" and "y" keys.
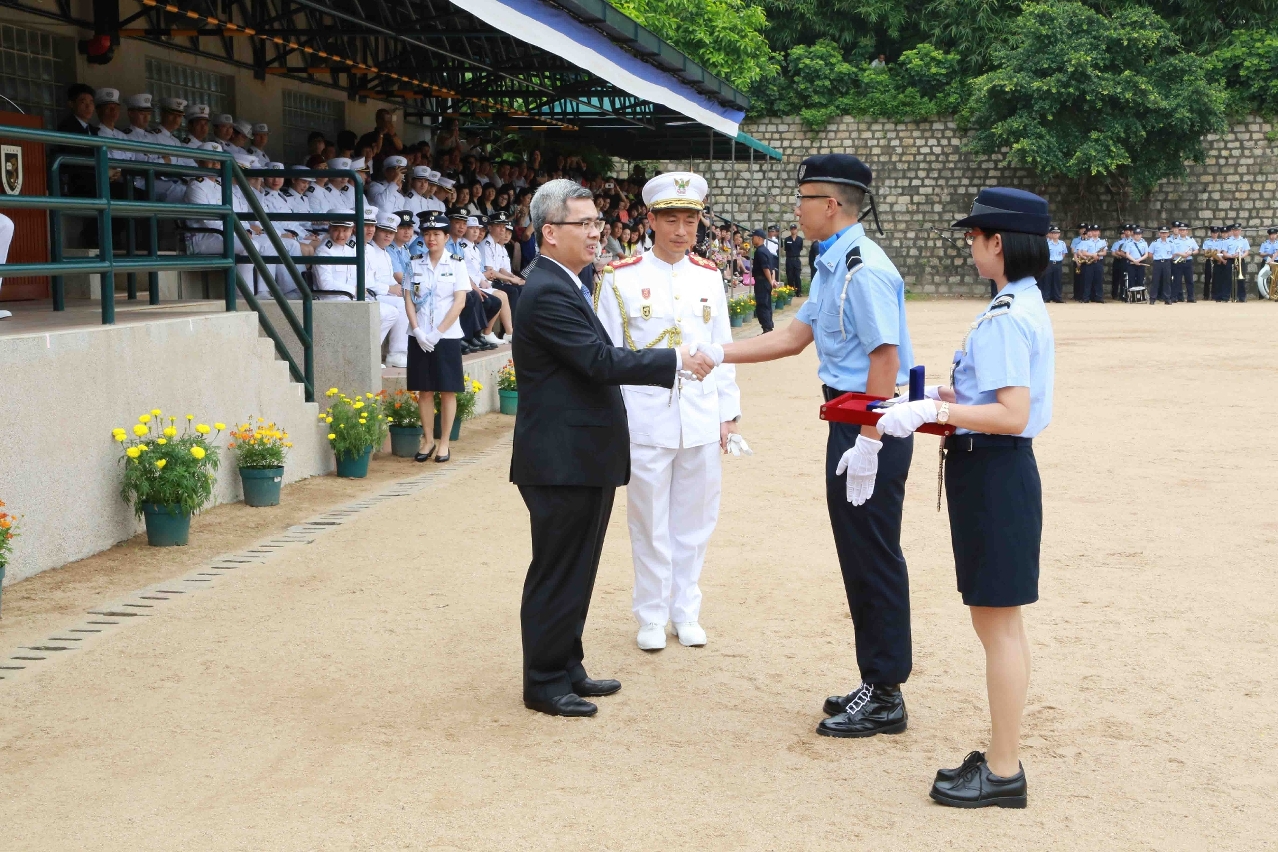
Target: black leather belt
{"x": 1055, "y": 262}
{"x": 967, "y": 443}
{"x": 830, "y": 393}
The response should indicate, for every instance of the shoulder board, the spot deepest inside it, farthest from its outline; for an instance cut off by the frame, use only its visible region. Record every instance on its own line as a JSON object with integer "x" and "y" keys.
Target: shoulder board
{"x": 308, "y": 190}
{"x": 328, "y": 244}
{"x": 853, "y": 258}
{"x": 704, "y": 263}
{"x": 416, "y": 256}
{"x": 1002, "y": 303}
{"x": 458, "y": 257}
{"x": 350, "y": 243}
{"x": 626, "y": 261}
{"x": 199, "y": 180}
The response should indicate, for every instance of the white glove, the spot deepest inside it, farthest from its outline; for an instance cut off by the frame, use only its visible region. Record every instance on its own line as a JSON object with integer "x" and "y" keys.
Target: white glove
{"x": 738, "y": 446}
{"x": 862, "y": 465}
{"x": 714, "y": 350}
{"x": 423, "y": 339}
{"x": 900, "y": 421}
{"x": 932, "y": 392}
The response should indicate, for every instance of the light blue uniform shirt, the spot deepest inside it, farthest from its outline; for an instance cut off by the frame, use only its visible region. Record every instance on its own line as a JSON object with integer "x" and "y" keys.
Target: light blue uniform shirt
{"x": 1184, "y": 245}
{"x": 1240, "y": 246}
{"x": 872, "y": 314}
{"x": 1211, "y": 243}
{"x": 1011, "y": 347}
{"x": 1055, "y": 251}
{"x": 1269, "y": 247}
{"x": 1137, "y": 248}
{"x": 1093, "y": 245}
{"x": 1073, "y": 244}
{"x": 417, "y": 247}
{"x": 1164, "y": 249}
{"x": 400, "y": 258}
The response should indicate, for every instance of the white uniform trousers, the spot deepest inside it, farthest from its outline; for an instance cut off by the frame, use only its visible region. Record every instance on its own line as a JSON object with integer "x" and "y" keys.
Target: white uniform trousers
{"x": 672, "y": 505}
{"x": 206, "y": 243}
{"x": 6, "y": 237}
{"x": 394, "y": 323}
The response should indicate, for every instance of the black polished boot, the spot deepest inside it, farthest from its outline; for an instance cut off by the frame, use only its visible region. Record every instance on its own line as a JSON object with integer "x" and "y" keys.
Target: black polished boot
{"x": 871, "y": 709}
{"x": 976, "y": 787}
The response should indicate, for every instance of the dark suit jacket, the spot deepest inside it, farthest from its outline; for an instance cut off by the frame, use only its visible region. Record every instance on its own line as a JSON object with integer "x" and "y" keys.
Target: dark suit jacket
{"x": 76, "y": 180}
{"x": 571, "y": 427}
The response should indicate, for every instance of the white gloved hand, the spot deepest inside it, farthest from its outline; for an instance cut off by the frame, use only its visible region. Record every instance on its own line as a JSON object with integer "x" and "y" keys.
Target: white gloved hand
{"x": 900, "y": 421}
{"x": 423, "y": 339}
{"x": 862, "y": 465}
{"x": 714, "y": 350}
{"x": 738, "y": 446}
{"x": 932, "y": 392}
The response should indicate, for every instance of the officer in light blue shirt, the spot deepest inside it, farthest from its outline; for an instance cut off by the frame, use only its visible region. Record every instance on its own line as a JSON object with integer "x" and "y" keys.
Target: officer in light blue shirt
{"x": 1161, "y": 251}
{"x": 401, "y": 256}
{"x": 1092, "y": 251}
{"x": 855, "y": 314}
{"x": 1269, "y": 248}
{"x": 1239, "y": 248}
{"x": 1077, "y": 272}
{"x": 1137, "y": 251}
{"x": 1119, "y": 268}
{"x": 1184, "y": 247}
{"x": 1049, "y": 282}
{"x": 1000, "y": 400}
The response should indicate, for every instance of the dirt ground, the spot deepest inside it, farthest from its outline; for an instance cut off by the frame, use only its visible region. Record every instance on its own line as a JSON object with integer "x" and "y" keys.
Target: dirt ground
{"x": 363, "y": 692}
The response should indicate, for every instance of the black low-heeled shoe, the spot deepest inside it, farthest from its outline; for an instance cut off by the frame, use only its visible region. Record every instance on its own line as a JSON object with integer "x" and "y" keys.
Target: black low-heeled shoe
{"x": 442, "y": 459}
{"x": 421, "y": 457}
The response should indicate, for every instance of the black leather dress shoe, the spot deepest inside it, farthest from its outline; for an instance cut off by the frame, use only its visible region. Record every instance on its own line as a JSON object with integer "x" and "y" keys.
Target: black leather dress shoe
{"x": 562, "y": 705}
{"x": 466, "y": 348}
{"x": 973, "y": 758}
{"x": 589, "y": 688}
{"x": 977, "y": 787}
{"x": 836, "y": 704}
{"x": 872, "y": 709}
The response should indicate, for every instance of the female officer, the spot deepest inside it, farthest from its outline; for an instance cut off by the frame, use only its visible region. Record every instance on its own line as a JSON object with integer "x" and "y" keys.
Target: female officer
{"x": 1000, "y": 398}
{"x": 434, "y": 364}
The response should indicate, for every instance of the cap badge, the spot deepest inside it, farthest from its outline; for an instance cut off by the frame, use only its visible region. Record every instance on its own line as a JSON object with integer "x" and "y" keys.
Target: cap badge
{"x": 647, "y": 292}
{"x": 803, "y": 168}
{"x": 681, "y": 185}
{"x": 647, "y": 311}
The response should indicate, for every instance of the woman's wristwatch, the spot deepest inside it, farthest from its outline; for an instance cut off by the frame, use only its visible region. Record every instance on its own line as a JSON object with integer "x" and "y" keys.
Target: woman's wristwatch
{"x": 943, "y": 413}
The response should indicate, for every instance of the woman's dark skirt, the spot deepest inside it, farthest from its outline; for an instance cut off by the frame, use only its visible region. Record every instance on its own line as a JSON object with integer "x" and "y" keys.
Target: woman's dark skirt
{"x": 996, "y": 518}
{"x": 440, "y": 370}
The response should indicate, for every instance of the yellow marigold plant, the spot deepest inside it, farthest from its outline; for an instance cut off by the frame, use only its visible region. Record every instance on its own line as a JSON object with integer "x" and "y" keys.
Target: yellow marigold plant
{"x": 8, "y": 532}
{"x": 354, "y": 423}
{"x": 259, "y": 443}
{"x": 165, "y": 466}
{"x": 400, "y": 408}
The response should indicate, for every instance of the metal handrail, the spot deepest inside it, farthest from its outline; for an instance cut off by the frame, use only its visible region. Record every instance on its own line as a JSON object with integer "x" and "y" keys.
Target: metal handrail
{"x": 106, "y": 264}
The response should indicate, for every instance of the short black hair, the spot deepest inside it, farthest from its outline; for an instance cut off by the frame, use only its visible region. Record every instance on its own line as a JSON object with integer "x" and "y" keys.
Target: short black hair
{"x": 851, "y": 196}
{"x": 1024, "y": 255}
{"x": 315, "y": 134}
{"x": 76, "y": 89}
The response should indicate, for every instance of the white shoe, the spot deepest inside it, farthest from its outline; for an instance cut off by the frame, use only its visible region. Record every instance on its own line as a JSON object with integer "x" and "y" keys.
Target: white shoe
{"x": 690, "y": 633}
{"x": 5, "y": 314}
{"x": 652, "y": 636}
{"x": 492, "y": 338}
{"x": 397, "y": 359}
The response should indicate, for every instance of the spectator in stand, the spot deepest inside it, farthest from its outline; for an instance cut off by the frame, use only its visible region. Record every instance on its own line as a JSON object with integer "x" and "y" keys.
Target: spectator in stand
{"x": 388, "y": 193}
{"x": 171, "y": 188}
{"x": 382, "y": 140}
{"x": 107, "y": 102}
{"x": 488, "y": 200}
{"x": 345, "y": 144}
{"x": 80, "y": 105}
{"x": 301, "y": 197}
{"x": 475, "y": 258}
{"x": 361, "y": 167}
{"x": 315, "y": 143}
{"x": 480, "y": 311}
{"x": 332, "y": 280}
{"x": 497, "y": 265}
{"x": 197, "y": 125}
{"x": 78, "y": 180}
{"x": 340, "y": 194}
{"x": 611, "y": 242}
{"x": 420, "y": 195}
{"x": 525, "y": 239}
{"x": 223, "y": 129}
{"x": 6, "y": 238}
{"x": 257, "y": 150}
{"x": 448, "y": 138}
{"x": 381, "y": 284}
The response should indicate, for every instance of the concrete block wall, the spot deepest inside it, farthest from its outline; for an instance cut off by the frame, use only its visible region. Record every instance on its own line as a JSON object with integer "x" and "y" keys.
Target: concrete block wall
{"x": 924, "y": 178}
{"x": 59, "y": 467}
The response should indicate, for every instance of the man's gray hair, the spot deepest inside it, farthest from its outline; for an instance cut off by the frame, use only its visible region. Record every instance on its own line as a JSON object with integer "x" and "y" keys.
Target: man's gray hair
{"x": 550, "y": 203}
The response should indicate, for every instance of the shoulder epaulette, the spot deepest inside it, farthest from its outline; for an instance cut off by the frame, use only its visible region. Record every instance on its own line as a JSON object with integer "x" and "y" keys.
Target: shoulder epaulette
{"x": 350, "y": 243}
{"x": 416, "y": 256}
{"x": 704, "y": 263}
{"x": 328, "y": 244}
{"x": 626, "y": 261}
{"x": 458, "y": 257}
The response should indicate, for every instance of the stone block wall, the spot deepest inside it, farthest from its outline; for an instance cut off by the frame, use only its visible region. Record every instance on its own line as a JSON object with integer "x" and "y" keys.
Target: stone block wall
{"x": 923, "y": 178}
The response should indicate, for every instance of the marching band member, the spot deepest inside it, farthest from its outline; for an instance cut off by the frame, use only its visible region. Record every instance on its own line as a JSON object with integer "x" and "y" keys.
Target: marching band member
{"x": 1182, "y": 267}
{"x": 1000, "y": 399}
{"x": 670, "y": 297}
{"x": 1093, "y": 251}
{"x": 1269, "y": 248}
{"x": 1239, "y": 248}
{"x": 1137, "y": 252}
{"x": 1211, "y": 245}
{"x": 1161, "y": 251}
{"x": 856, "y": 316}
{"x": 434, "y": 303}
{"x": 1222, "y": 270}
{"x": 1119, "y": 269}
{"x": 1050, "y": 281}
{"x": 380, "y": 284}
{"x": 1077, "y": 274}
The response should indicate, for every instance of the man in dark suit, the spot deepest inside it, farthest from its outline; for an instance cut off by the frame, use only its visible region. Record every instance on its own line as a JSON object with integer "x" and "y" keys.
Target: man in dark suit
{"x": 572, "y": 443}
{"x": 77, "y": 180}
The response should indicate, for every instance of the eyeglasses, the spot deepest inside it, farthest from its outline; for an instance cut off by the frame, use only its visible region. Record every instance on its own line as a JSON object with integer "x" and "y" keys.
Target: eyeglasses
{"x": 799, "y": 198}
{"x": 592, "y": 226}
{"x": 970, "y": 237}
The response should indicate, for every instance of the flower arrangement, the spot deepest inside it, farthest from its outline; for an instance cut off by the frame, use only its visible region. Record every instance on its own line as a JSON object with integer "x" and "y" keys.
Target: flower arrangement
{"x": 165, "y": 467}
{"x": 506, "y": 377}
{"x": 354, "y": 423}
{"x": 8, "y": 532}
{"x": 400, "y": 408}
{"x": 466, "y": 399}
{"x": 740, "y": 306}
{"x": 259, "y": 444}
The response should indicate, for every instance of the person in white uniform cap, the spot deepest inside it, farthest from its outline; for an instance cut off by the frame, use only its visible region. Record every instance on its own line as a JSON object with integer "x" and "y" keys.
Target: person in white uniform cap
{"x": 420, "y": 194}
{"x": 107, "y": 102}
{"x": 669, "y": 298}
{"x": 388, "y": 194}
{"x": 197, "y": 125}
{"x": 257, "y": 148}
{"x": 331, "y": 278}
{"x": 223, "y": 128}
{"x": 340, "y": 192}
{"x": 380, "y": 283}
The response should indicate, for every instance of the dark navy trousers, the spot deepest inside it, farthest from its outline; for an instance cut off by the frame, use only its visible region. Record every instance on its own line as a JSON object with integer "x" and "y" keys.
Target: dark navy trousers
{"x": 868, "y": 541}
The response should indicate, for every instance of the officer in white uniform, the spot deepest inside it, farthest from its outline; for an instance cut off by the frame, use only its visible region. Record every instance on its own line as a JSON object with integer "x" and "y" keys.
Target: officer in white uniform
{"x": 331, "y": 277}
{"x": 340, "y": 194}
{"x": 388, "y": 193}
{"x": 257, "y": 148}
{"x": 668, "y": 298}
{"x": 380, "y": 283}
{"x": 418, "y": 195}
{"x": 108, "y": 105}
{"x": 239, "y": 142}
{"x": 438, "y": 188}
{"x": 197, "y": 125}
{"x": 172, "y": 112}
{"x": 359, "y": 164}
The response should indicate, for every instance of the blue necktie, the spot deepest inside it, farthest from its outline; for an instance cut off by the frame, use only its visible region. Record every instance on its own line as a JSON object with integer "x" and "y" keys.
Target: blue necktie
{"x": 585, "y": 293}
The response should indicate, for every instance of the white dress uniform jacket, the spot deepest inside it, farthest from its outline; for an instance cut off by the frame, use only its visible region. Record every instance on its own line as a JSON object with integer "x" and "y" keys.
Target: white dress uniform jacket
{"x": 379, "y": 277}
{"x": 645, "y": 299}
{"x": 332, "y": 277}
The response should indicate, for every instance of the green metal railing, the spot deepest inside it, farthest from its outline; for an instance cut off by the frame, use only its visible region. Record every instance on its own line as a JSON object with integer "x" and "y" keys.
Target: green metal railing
{"x": 106, "y": 210}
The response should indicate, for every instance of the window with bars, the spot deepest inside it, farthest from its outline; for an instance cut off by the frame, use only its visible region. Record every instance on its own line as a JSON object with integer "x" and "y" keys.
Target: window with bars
{"x": 174, "y": 80}
{"x": 305, "y": 113}
{"x": 35, "y": 70}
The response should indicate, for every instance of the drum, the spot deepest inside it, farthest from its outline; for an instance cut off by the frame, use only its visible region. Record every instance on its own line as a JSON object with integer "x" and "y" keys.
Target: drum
{"x": 1263, "y": 280}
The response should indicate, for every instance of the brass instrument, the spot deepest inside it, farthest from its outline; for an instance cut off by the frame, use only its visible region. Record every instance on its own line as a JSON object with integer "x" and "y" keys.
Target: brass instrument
{"x": 1213, "y": 254}
{"x": 1238, "y": 268}
{"x": 1265, "y": 281}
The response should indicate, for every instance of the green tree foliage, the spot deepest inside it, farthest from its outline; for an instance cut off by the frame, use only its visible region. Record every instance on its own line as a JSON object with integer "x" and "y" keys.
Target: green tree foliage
{"x": 1247, "y": 68}
{"x": 725, "y": 36}
{"x": 818, "y": 84}
{"x": 1076, "y": 94}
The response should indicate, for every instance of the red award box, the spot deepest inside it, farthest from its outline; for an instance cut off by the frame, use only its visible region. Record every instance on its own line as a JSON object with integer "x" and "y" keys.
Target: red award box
{"x": 851, "y": 408}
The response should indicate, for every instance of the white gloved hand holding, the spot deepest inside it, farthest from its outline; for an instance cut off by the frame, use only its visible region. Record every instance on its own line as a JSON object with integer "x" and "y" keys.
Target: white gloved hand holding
{"x": 714, "y": 350}
{"x": 862, "y": 465}
{"x": 900, "y": 421}
{"x": 423, "y": 339}
{"x": 738, "y": 446}
{"x": 932, "y": 392}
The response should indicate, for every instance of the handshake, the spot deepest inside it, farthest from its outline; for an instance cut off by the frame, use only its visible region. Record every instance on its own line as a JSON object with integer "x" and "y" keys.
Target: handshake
{"x": 699, "y": 359}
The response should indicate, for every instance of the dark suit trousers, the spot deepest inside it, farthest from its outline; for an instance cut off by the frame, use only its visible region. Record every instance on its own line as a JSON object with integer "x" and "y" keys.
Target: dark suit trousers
{"x": 568, "y": 527}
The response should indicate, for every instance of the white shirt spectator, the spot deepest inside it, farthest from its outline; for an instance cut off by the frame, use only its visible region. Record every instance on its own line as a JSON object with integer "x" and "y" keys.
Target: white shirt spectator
{"x": 333, "y": 277}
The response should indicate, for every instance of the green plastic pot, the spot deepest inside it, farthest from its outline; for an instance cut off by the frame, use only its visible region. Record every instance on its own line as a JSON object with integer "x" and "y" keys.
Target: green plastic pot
{"x": 456, "y": 431}
{"x": 167, "y": 524}
{"x": 1, "y": 581}
{"x": 736, "y": 321}
{"x": 262, "y": 485}
{"x": 354, "y": 467}
{"x": 509, "y": 400}
{"x": 404, "y": 441}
